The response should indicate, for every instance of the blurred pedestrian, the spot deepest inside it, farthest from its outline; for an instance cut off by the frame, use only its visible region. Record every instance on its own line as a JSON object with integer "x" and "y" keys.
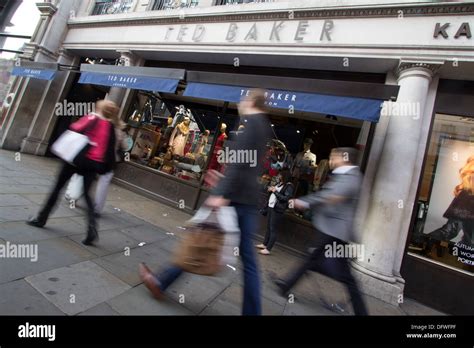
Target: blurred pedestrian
{"x": 277, "y": 205}
{"x": 98, "y": 158}
{"x": 240, "y": 188}
{"x": 333, "y": 209}
{"x": 103, "y": 183}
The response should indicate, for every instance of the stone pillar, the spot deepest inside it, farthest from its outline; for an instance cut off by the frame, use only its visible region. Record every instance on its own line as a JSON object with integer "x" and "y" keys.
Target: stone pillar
{"x": 390, "y": 199}
{"x": 28, "y": 108}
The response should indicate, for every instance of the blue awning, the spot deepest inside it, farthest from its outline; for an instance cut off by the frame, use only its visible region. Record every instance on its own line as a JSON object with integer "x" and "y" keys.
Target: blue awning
{"x": 147, "y": 83}
{"x": 35, "y": 73}
{"x": 352, "y": 107}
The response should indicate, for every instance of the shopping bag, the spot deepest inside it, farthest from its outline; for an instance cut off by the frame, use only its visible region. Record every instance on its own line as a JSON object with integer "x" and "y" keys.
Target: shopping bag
{"x": 75, "y": 188}
{"x": 211, "y": 241}
{"x": 69, "y": 145}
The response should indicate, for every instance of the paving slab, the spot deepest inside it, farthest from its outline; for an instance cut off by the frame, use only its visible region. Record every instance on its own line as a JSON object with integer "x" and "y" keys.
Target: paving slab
{"x": 147, "y": 233}
{"x": 102, "y": 309}
{"x": 12, "y": 199}
{"x": 19, "y": 188}
{"x": 196, "y": 292}
{"x": 139, "y": 301}
{"x": 20, "y": 298}
{"x": 412, "y": 307}
{"x": 21, "y": 232}
{"x": 302, "y": 306}
{"x": 79, "y": 287}
{"x": 230, "y": 303}
{"x": 20, "y": 213}
{"x": 126, "y": 267}
{"x": 107, "y": 222}
{"x": 110, "y": 242}
{"x": 52, "y": 253}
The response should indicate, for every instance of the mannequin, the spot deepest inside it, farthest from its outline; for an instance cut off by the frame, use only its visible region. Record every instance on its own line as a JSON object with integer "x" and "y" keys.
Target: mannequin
{"x": 165, "y": 135}
{"x": 203, "y": 140}
{"x": 219, "y": 145}
{"x": 180, "y": 115}
{"x": 179, "y": 137}
{"x": 304, "y": 166}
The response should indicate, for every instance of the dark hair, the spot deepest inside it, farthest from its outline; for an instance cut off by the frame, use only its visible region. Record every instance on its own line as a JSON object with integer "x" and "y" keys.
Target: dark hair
{"x": 285, "y": 175}
{"x": 257, "y": 96}
{"x": 349, "y": 154}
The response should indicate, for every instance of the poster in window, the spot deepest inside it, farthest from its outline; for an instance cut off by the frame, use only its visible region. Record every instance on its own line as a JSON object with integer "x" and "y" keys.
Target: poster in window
{"x": 450, "y": 217}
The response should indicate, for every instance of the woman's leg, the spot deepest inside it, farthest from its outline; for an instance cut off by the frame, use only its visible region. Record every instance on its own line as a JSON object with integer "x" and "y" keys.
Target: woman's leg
{"x": 269, "y": 223}
{"x": 274, "y": 225}
{"x": 67, "y": 171}
{"x": 92, "y": 235}
{"x": 101, "y": 191}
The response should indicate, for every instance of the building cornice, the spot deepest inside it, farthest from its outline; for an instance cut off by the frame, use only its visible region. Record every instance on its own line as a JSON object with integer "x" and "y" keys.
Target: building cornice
{"x": 47, "y": 9}
{"x": 275, "y": 15}
{"x": 431, "y": 67}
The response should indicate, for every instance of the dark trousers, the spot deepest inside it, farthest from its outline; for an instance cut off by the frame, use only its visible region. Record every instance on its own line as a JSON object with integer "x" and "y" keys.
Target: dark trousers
{"x": 247, "y": 218}
{"x": 63, "y": 177}
{"x": 273, "y": 223}
{"x": 337, "y": 268}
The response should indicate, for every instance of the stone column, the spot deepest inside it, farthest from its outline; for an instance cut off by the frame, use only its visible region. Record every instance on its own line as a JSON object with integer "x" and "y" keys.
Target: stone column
{"x": 390, "y": 200}
{"x": 32, "y": 96}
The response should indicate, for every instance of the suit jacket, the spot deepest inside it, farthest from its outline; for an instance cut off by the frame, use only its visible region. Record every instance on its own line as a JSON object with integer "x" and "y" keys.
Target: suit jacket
{"x": 336, "y": 219}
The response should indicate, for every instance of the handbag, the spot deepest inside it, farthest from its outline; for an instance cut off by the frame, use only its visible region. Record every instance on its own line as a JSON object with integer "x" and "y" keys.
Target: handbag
{"x": 75, "y": 188}
{"x": 210, "y": 242}
{"x": 71, "y": 143}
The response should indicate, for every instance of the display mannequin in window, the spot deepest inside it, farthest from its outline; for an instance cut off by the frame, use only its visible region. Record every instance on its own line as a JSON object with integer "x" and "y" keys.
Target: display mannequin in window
{"x": 219, "y": 146}
{"x": 180, "y": 115}
{"x": 179, "y": 137}
{"x": 203, "y": 140}
{"x": 460, "y": 215}
{"x": 166, "y": 135}
{"x": 304, "y": 166}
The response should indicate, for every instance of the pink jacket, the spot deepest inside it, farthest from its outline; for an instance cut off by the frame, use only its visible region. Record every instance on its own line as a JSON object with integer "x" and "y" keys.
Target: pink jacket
{"x": 98, "y": 135}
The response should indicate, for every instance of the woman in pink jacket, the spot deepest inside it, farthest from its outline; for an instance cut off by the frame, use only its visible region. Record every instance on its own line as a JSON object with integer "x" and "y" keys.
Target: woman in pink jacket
{"x": 98, "y": 158}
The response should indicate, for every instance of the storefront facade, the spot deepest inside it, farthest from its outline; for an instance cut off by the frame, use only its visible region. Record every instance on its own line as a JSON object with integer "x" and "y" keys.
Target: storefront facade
{"x": 395, "y": 80}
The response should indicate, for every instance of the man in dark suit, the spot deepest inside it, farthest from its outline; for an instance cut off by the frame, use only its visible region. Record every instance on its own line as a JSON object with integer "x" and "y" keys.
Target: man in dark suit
{"x": 333, "y": 208}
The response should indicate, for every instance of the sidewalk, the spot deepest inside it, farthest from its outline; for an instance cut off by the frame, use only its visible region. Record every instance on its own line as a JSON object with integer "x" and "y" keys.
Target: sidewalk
{"x": 71, "y": 279}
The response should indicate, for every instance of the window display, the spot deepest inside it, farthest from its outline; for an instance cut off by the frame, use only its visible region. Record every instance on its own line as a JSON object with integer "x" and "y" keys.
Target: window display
{"x": 171, "y": 138}
{"x": 444, "y": 229}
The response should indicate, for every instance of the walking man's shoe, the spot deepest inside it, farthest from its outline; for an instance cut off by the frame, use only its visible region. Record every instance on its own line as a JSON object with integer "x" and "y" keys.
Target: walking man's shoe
{"x": 282, "y": 287}
{"x": 150, "y": 281}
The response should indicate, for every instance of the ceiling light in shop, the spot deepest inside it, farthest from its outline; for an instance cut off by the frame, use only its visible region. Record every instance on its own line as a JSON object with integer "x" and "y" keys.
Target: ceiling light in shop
{"x": 298, "y": 131}
{"x": 273, "y": 125}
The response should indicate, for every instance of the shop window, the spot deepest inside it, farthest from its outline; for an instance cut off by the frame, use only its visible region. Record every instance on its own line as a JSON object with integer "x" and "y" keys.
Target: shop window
{"x": 444, "y": 223}
{"x": 173, "y": 4}
{"x": 172, "y": 137}
{"x": 112, "y": 7}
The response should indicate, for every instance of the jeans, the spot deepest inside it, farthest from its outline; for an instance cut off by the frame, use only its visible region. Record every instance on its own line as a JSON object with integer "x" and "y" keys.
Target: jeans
{"x": 337, "y": 268}
{"x": 247, "y": 218}
{"x": 273, "y": 222}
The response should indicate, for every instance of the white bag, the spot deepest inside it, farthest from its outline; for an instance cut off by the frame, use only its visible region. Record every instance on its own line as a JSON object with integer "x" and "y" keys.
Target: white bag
{"x": 69, "y": 144}
{"x": 75, "y": 188}
{"x": 226, "y": 219}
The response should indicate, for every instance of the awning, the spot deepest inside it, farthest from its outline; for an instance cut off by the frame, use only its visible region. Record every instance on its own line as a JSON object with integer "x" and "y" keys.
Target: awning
{"x": 35, "y": 70}
{"x": 358, "y": 108}
{"x": 355, "y": 100}
{"x": 148, "y": 79}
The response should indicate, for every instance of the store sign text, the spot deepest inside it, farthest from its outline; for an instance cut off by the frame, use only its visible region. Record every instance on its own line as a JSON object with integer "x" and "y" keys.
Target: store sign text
{"x": 463, "y": 30}
{"x": 234, "y": 31}
{"x": 272, "y": 97}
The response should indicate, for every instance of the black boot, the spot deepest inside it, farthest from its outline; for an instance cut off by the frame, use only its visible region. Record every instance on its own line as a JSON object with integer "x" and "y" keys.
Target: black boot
{"x": 38, "y": 221}
{"x": 92, "y": 235}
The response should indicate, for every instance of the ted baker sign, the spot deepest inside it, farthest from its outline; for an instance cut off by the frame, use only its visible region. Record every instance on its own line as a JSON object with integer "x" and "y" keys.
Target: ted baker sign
{"x": 255, "y": 32}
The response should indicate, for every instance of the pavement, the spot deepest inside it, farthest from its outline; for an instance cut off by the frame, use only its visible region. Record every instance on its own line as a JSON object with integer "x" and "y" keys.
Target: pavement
{"x": 69, "y": 278}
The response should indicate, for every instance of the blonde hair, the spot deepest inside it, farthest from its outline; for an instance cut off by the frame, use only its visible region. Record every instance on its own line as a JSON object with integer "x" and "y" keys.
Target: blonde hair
{"x": 110, "y": 111}
{"x": 466, "y": 173}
